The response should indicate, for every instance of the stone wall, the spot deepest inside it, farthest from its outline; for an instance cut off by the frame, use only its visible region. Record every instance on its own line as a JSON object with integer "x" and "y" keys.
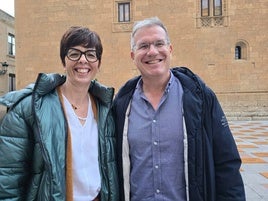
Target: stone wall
{"x": 207, "y": 47}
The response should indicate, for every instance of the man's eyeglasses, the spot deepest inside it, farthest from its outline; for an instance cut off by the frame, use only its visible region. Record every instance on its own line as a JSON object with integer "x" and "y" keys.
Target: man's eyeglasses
{"x": 74, "y": 55}
{"x": 146, "y": 45}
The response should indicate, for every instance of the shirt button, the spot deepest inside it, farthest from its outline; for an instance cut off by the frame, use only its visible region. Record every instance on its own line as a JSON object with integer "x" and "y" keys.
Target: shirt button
{"x": 157, "y": 191}
{"x": 154, "y": 120}
{"x": 155, "y": 143}
{"x": 156, "y": 166}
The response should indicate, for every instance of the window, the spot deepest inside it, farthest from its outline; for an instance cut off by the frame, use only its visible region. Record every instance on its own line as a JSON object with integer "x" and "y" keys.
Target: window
{"x": 238, "y": 52}
{"x": 122, "y": 16}
{"x": 241, "y": 50}
{"x": 217, "y": 8}
{"x": 211, "y": 13}
{"x": 208, "y": 10}
{"x": 124, "y": 12}
{"x": 12, "y": 82}
{"x": 11, "y": 44}
{"x": 205, "y": 7}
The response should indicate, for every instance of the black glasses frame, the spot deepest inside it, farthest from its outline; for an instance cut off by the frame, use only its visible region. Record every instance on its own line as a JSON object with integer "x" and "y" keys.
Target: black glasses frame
{"x": 90, "y": 59}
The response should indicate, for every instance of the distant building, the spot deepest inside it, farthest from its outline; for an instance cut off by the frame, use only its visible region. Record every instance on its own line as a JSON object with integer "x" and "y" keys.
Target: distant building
{"x": 225, "y": 42}
{"x": 7, "y": 53}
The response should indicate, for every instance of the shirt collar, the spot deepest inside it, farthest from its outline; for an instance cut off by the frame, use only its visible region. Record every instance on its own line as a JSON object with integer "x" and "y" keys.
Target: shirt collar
{"x": 140, "y": 83}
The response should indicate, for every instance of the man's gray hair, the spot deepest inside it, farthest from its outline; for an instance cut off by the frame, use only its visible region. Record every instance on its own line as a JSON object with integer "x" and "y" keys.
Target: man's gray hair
{"x": 149, "y": 22}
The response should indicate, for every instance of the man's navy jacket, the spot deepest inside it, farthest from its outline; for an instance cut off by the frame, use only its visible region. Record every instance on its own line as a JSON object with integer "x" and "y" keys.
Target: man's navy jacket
{"x": 213, "y": 158}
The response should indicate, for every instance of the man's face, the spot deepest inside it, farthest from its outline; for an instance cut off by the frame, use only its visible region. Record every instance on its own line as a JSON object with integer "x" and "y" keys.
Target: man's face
{"x": 151, "y": 53}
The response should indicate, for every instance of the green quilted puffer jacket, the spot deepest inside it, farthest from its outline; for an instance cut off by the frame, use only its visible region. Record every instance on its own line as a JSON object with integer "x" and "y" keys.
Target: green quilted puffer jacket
{"x": 33, "y": 141}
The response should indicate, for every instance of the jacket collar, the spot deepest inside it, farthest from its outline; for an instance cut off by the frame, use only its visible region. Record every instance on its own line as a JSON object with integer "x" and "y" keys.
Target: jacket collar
{"x": 45, "y": 83}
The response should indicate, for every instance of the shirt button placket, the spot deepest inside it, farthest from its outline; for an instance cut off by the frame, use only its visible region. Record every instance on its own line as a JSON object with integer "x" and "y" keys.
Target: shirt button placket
{"x": 156, "y": 158}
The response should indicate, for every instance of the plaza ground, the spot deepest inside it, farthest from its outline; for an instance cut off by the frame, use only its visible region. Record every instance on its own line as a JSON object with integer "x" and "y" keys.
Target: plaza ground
{"x": 252, "y": 141}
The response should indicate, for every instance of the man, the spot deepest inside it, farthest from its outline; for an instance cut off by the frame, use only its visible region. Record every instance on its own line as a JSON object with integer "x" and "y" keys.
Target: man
{"x": 174, "y": 142}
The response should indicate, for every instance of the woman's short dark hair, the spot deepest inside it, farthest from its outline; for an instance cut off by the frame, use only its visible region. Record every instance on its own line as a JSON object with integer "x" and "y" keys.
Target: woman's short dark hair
{"x": 83, "y": 36}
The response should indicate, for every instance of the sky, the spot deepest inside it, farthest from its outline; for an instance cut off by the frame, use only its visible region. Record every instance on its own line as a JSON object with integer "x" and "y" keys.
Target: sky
{"x": 7, "y": 6}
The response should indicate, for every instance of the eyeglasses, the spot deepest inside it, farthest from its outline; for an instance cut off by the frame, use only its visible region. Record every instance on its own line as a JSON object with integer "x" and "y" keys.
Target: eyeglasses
{"x": 146, "y": 45}
{"x": 74, "y": 55}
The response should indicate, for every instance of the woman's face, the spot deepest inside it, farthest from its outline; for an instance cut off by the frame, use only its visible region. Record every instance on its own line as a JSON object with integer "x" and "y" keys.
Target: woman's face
{"x": 81, "y": 65}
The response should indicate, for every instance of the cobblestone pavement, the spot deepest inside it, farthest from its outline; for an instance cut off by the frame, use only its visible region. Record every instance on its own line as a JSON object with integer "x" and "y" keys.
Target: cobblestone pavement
{"x": 252, "y": 141}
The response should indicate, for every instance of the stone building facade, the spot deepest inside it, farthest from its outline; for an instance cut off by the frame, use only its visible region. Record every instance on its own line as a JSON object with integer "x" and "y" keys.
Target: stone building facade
{"x": 7, "y": 55}
{"x": 224, "y": 41}
{"x": 7, "y": 52}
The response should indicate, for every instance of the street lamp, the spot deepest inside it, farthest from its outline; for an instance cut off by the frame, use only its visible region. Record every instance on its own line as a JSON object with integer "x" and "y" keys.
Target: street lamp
{"x": 4, "y": 68}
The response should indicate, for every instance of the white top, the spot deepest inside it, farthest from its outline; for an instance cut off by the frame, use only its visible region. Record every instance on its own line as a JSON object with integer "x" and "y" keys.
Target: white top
{"x": 85, "y": 165}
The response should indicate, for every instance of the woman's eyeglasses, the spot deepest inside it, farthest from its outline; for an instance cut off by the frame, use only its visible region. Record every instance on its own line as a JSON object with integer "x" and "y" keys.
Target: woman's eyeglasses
{"x": 74, "y": 55}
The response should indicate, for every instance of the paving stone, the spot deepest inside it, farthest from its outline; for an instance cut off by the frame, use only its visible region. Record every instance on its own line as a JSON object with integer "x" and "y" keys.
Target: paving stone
{"x": 260, "y": 143}
{"x": 261, "y": 154}
{"x": 252, "y": 160}
{"x": 246, "y": 146}
{"x": 265, "y": 174}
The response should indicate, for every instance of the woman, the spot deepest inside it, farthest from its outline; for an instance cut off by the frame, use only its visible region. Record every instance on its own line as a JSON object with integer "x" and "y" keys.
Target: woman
{"x": 57, "y": 138}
